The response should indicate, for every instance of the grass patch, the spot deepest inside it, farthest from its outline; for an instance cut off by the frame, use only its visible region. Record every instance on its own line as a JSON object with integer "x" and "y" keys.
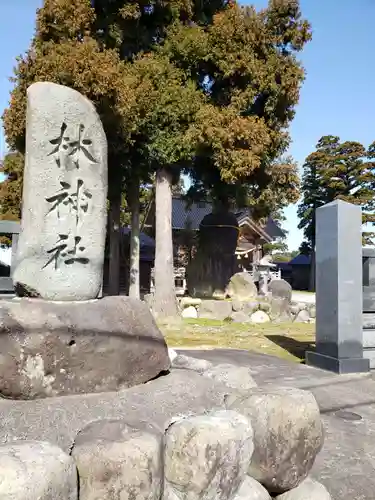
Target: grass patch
{"x": 285, "y": 340}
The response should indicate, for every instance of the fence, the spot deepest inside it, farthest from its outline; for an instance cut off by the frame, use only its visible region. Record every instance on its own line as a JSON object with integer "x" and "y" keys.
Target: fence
{"x": 13, "y": 229}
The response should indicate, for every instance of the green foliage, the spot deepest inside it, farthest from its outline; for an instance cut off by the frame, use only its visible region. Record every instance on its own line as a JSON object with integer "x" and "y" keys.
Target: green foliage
{"x": 206, "y": 88}
{"x": 336, "y": 170}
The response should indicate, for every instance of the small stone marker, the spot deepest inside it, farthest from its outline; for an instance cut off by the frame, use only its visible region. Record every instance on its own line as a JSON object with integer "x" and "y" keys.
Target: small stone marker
{"x": 61, "y": 245}
{"x": 339, "y": 337}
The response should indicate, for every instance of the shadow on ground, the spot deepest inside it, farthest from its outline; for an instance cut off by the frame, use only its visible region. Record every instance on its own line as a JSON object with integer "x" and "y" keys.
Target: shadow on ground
{"x": 295, "y": 347}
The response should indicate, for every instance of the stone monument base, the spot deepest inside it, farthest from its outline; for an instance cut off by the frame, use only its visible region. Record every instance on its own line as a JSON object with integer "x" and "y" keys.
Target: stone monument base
{"x": 337, "y": 365}
{"x": 64, "y": 348}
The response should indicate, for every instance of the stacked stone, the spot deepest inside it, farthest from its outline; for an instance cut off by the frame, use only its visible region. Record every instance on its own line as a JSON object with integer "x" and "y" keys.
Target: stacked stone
{"x": 260, "y": 444}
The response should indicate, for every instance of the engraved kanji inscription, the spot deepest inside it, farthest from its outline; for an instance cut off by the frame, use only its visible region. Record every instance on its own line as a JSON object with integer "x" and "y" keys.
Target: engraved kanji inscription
{"x": 68, "y": 152}
{"x": 67, "y": 250}
{"x": 76, "y": 199}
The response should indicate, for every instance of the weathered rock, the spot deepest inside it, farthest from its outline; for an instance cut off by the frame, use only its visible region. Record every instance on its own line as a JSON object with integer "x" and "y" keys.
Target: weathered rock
{"x": 215, "y": 309}
{"x": 280, "y": 309}
{"x": 116, "y": 461}
{"x": 281, "y": 289}
{"x": 190, "y": 301}
{"x": 59, "y": 419}
{"x": 264, "y": 305}
{"x": 190, "y": 363}
{"x": 61, "y": 245}
{"x": 236, "y": 377}
{"x": 307, "y": 490}
{"x": 207, "y": 456}
{"x": 242, "y": 287}
{"x": 237, "y": 305}
{"x": 288, "y": 435}
{"x": 240, "y": 317}
{"x": 312, "y": 311}
{"x": 295, "y": 308}
{"x": 172, "y": 354}
{"x": 51, "y": 349}
{"x": 302, "y": 317}
{"x": 250, "y": 489}
{"x": 189, "y": 312}
{"x": 251, "y": 306}
{"x": 260, "y": 317}
{"x": 36, "y": 471}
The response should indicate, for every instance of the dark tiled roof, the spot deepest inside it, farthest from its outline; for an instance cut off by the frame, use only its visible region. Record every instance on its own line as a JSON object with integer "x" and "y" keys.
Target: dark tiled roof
{"x": 189, "y": 216}
{"x": 185, "y": 216}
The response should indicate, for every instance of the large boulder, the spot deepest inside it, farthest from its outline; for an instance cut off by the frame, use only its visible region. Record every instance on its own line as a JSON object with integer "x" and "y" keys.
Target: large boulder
{"x": 207, "y": 456}
{"x": 236, "y": 377}
{"x": 59, "y": 420}
{"x": 215, "y": 309}
{"x": 240, "y": 317}
{"x": 250, "y": 489}
{"x": 60, "y": 348}
{"x": 280, "y": 309}
{"x": 242, "y": 287}
{"x": 288, "y": 435}
{"x": 303, "y": 316}
{"x": 189, "y": 363}
{"x": 307, "y": 490}
{"x": 36, "y": 471}
{"x": 116, "y": 461}
{"x": 281, "y": 289}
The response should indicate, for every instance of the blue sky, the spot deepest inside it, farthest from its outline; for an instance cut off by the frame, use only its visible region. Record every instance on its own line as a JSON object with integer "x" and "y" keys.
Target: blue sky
{"x": 338, "y": 96}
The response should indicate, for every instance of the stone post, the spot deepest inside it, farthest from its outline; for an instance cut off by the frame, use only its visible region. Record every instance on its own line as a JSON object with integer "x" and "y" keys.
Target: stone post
{"x": 339, "y": 337}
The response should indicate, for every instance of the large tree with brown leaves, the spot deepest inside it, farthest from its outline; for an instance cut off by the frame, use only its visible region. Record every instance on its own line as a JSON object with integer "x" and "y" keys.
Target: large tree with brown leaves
{"x": 208, "y": 88}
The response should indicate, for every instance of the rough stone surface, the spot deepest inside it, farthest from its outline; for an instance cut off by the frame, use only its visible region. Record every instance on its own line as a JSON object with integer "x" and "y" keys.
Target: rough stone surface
{"x": 251, "y": 306}
{"x": 281, "y": 289}
{"x": 313, "y": 312}
{"x": 288, "y": 435}
{"x": 58, "y": 420}
{"x": 51, "y": 349}
{"x": 36, "y": 471}
{"x": 189, "y": 312}
{"x": 189, "y": 363}
{"x": 303, "y": 316}
{"x": 215, "y": 309}
{"x": 260, "y": 317}
{"x": 240, "y": 317}
{"x": 265, "y": 306}
{"x": 250, "y": 489}
{"x": 117, "y": 461}
{"x": 237, "y": 305}
{"x": 280, "y": 309}
{"x": 61, "y": 245}
{"x": 236, "y": 377}
{"x": 242, "y": 287}
{"x": 307, "y": 490}
{"x": 206, "y": 457}
{"x": 190, "y": 301}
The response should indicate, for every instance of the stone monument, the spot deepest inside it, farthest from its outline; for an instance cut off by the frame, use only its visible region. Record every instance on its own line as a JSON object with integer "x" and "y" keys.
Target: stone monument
{"x": 61, "y": 244}
{"x": 339, "y": 337}
{"x": 57, "y": 337}
{"x": 209, "y": 272}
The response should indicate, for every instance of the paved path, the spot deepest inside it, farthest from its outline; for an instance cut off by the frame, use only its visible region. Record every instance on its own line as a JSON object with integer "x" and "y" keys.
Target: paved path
{"x": 307, "y": 298}
{"x": 346, "y": 464}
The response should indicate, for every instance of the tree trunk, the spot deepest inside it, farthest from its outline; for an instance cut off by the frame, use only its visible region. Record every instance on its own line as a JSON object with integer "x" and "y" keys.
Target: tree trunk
{"x": 165, "y": 302}
{"x": 134, "y": 287}
{"x": 114, "y": 245}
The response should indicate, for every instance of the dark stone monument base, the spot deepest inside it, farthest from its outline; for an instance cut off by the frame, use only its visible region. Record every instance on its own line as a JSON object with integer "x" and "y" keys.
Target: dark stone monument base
{"x": 337, "y": 365}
